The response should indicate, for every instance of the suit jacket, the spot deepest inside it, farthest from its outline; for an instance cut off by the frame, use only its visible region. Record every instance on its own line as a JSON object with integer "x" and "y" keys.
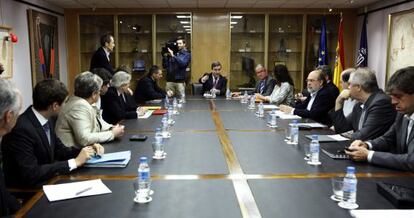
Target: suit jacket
{"x": 28, "y": 159}
{"x": 379, "y": 116}
{"x": 321, "y": 105}
{"x": 99, "y": 60}
{"x": 147, "y": 89}
{"x": 208, "y": 84}
{"x": 80, "y": 124}
{"x": 391, "y": 149}
{"x": 8, "y": 203}
{"x": 268, "y": 88}
{"x": 114, "y": 107}
{"x": 332, "y": 90}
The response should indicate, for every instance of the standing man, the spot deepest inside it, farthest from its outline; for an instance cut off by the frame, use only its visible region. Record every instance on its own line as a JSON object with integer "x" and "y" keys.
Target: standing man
{"x": 176, "y": 65}
{"x": 101, "y": 57}
{"x": 214, "y": 81}
{"x": 10, "y": 106}
{"x": 32, "y": 152}
{"x": 147, "y": 88}
{"x": 266, "y": 83}
{"x": 395, "y": 149}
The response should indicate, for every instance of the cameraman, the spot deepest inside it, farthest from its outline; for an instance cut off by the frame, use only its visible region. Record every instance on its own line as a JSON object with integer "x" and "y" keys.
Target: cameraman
{"x": 176, "y": 65}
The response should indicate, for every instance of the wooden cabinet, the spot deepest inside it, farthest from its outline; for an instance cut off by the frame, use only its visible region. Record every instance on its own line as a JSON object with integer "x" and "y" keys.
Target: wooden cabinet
{"x": 247, "y": 48}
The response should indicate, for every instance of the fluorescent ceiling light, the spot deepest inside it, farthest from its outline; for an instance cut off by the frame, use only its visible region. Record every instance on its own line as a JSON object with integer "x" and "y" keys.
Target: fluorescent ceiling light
{"x": 236, "y": 17}
{"x": 187, "y": 26}
{"x": 233, "y": 22}
{"x": 185, "y": 22}
{"x": 183, "y": 16}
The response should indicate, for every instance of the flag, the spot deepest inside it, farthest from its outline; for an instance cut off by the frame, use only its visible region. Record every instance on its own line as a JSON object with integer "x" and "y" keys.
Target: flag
{"x": 323, "y": 51}
{"x": 362, "y": 59}
{"x": 340, "y": 57}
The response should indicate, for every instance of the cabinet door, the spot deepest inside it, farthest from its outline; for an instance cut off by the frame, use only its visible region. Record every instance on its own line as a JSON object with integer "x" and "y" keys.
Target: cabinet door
{"x": 313, "y": 33}
{"x": 247, "y": 48}
{"x": 91, "y": 28}
{"x": 285, "y": 45}
{"x": 168, "y": 28}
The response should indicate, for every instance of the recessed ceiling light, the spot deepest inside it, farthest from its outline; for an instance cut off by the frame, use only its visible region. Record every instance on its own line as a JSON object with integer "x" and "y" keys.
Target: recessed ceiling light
{"x": 236, "y": 17}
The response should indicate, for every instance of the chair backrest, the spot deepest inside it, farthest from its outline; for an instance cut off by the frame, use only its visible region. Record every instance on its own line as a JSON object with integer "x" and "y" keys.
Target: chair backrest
{"x": 197, "y": 88}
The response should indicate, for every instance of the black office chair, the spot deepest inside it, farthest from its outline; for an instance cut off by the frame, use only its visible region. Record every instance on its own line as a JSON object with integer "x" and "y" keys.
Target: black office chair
{"x": 197, "y": 89}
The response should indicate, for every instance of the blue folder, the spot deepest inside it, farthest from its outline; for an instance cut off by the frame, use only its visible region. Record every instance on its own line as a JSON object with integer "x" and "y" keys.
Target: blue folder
{"x": 116, "y": 159}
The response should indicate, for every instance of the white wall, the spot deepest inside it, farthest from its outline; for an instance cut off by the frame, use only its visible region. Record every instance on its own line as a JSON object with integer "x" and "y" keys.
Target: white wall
{"x": 15, "y": 16}
{"x": 377, "y": 33}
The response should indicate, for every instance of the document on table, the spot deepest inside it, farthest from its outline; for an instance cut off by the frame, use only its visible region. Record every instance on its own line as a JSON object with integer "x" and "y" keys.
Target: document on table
{"x": 329, "y": 138}
{"x": 75, "y": 190}
{"x": 382, "y": 213}
{"x": 312, "y": 125}
{"x": 270, "y": 107}
{"x": 152, "y": 107}
{"x": 146, "y": 115}
{"x": 285, "y": 116}
{"x": 115, "y": 159}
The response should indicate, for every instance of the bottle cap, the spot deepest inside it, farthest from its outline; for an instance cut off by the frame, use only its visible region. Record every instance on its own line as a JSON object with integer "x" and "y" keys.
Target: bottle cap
{"x": 295, "y": 121}
{"x": 314, "y": 137}
{"x": 350, "y": 169}
{"x": 143, "y": 159}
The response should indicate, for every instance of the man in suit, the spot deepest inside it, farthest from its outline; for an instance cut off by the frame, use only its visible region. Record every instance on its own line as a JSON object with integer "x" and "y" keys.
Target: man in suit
{"x": 394, "y": 149}
{"x": 214, "y": 81}
{"x": 372, "y": 116}
{"x": 32, "y": 151}
{"x": 10, "y": 106}
{"x": 101, "y": 57}
{"x": 147, "y": 88}
{"x": 106, "y": 77}
{"x": 266, "y": 83}
{"x": 80, "y": 123}
{"x": 332, "y": 89}
{"x": 317, "y": 105}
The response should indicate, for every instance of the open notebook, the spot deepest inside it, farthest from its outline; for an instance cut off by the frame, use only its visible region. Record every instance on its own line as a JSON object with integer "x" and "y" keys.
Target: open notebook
{"x": 116, "y": 159}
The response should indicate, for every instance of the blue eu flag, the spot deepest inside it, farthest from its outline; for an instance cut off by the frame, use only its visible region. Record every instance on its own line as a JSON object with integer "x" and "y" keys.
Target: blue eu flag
{"x": 362, "y": 59}
{"x": 323, "y": 50}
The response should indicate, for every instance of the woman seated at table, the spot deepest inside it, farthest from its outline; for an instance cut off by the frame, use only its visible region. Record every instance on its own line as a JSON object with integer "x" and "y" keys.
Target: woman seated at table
{"x": 283, "y": 91}
{"x": 214, "y": 81}
{"x": 114, "y": 105}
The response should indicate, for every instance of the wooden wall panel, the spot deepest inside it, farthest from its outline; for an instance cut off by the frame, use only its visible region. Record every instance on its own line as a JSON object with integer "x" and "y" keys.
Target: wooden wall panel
{"x": 350, "y": 39}
{"x": 73, "y": 51}
{"x": 210, "y": 42}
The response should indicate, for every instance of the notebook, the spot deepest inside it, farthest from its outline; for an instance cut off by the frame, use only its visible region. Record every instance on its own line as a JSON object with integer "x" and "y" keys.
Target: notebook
{"x": 336, "y": 153}
{"x": 116, "y": 159}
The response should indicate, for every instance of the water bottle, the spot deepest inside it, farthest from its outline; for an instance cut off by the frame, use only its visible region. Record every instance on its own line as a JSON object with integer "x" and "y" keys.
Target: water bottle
{"x": 158, "y": 145}
{"x": 294, "y": 132}
{"x": 273, "y": 120}
{"x": 213, "y": 93}
{"x": 314, "y": 151}
{"x": 183, "y": 98}
{"x": 252, "y": 104}
{"x": 245, "y": 98}
{"x": 144, "y": 179}
{"x": 166, "y": 102}
{"x": 349, "y": 190}
{"x": 170, "y": 114}
{"x": 165, "y": 127}
{"x": 228, "y": 94}
{"x": 175, "y": 106}
{"x": 260, "y": 110}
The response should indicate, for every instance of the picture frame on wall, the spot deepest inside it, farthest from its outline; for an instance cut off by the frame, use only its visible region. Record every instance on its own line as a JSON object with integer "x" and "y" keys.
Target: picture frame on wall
{"x": 6, "y": 52}
{"x": 44, "y": 49}
{"x": 400, "y": 45}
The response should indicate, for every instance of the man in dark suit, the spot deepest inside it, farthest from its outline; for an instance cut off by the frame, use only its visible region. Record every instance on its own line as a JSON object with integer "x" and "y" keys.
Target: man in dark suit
{"x": 317, "y": 105}
{"x": 11, "y": 104}
{"x": 266, "y": 82}
{"x": 332, "y": 89}
{"x": 395, "y": 149}
{"x": 372, "y": 116}
{"x": 147, "y": 88}
{"x": 32, "y": 151}
{"x": 101, "y": 57}
{"x": 214, "y": 81}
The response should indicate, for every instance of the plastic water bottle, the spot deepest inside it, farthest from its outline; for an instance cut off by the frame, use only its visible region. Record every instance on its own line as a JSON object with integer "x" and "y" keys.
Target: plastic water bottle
{"x": 294, "y": 132}
{"x": 228, "y": 94}
{"x": 158, "y": 145}
{"x": 260, "y": 110}
{"x": 166, "y": 102}
{"x": 273, "y": 120}
{"x": 252, "y": 103}
{"x": 170, "y": 114}
{"x": 183, "y": 98}
{"x": 245, "y": 98}
{"x": 349, "y": 190}
{"x": 175, "y": 106}
{"x": 144, "y": 179}
{"x": 213, "y": 93}
{"x": 165, "y": 127}
{"x": 158, "y": 136}
{"x": 314, "y": 151}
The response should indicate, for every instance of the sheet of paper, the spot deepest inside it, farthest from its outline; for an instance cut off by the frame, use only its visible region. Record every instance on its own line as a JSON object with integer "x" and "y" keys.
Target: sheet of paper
{"x": 285, "y": 116}
{"x": 75, "y": 190}
{"x": 382, "y": 213}
{"x": 146, "y": 115}
{"x": 270, "y": 107}
{"x": 155, "y": 101}
{"x": 338, "y": 137}
{"x": 152, "y": 107}
{"x": 115, "y": 156}
{"x": 312, "y": 125}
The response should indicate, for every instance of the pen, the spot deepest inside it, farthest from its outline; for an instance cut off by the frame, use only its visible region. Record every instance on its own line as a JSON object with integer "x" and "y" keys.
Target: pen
{"x": 83, "y": 191}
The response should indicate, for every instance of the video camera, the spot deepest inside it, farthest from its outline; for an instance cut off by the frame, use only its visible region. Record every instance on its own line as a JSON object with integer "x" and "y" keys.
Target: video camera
{"x": 172, "y": 44}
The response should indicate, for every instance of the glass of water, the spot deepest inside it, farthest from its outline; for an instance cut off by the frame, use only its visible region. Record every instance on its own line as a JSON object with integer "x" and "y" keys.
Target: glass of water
{"x": 337, "y": 185}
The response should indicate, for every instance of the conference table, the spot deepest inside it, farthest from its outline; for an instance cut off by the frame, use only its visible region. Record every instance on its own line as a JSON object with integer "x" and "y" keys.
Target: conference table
{"x": 222, "y": 161}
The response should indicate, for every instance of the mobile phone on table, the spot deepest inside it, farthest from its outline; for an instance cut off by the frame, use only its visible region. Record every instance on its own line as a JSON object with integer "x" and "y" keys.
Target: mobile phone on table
{"x": 138, "y": 137}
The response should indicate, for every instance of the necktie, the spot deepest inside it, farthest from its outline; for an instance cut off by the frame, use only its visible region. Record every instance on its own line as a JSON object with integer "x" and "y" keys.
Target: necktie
{"x": 215, "y": 81}
{"x": 409, "y": 128}
{"x": 46, "y": 128}
{"x": 362, "y": 118}
{"x": 262, "y": 85}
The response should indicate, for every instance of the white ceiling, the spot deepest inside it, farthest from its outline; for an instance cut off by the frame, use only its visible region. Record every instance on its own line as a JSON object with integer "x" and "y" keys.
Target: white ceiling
{"x": 210, "y": 3}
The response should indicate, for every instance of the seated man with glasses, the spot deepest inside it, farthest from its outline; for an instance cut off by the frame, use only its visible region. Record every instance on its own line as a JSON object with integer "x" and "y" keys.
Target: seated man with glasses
{"x": 317, "y": 104}
{"x": 214, "y": 81}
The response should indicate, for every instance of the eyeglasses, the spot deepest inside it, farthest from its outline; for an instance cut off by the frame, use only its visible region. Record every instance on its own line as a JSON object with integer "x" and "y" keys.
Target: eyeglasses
{"x": 311, "y": 80}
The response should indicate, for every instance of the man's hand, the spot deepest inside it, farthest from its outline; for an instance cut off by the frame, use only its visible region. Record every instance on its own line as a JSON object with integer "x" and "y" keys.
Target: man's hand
{"x": 235, "y": 94}
{"x": 339, "y": 103}
{"x": 118, "y": 130}
{"x": 300, "y": 97}
{"x": 204, "y": 79}
{"x": 130, "y": 91}
{"x": 260, "y": 97}
{"x": 357, "y": 144}
{"x": 358, "y": 153}
{"x": 170, "y": 93}
{"x": 286, "y": 109}
{"x": 171, "y": 52}
{"x": 84, "y": 155}
{"x": 141, "y": 111}
{"x": 99, "y": 149}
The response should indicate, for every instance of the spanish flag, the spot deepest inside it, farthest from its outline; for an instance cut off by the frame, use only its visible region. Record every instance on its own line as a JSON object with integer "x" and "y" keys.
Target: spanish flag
{"x": 340, "y": 58}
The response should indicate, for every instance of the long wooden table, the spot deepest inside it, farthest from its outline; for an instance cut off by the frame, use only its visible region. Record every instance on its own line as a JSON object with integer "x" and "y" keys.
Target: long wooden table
{"x": 222, "y": 161}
